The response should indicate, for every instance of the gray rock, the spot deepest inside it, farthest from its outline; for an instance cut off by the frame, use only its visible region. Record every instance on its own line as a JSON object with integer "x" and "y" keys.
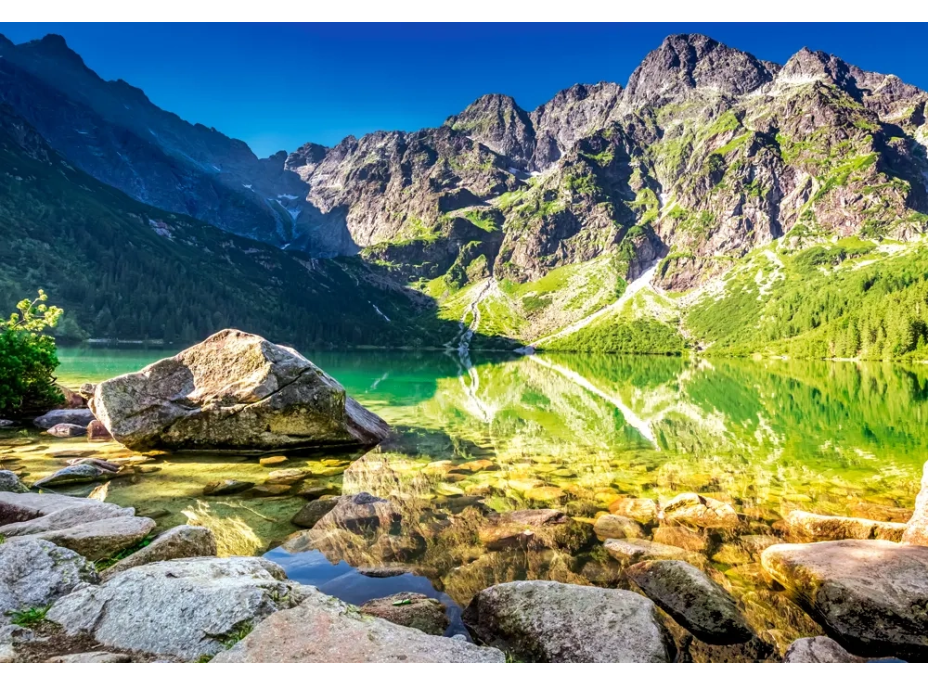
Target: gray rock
{"x": 359, "y": 513}
{"x": 617, "y": 526}
{"x": 19, "y": 507}
{"x": 916, "y": 532}
{"x": 324, "y": 629}
{"x": 7, "y": 423}
{"x": 98, "y": 540}
{"x": 870, "y": 596}
{"x": 181, "y": 541}
{"x": 268, "y": 397}
{"x": 818, "y": 649}
{"x": 67, "y": 431}
{"x": 7, "y": 653}
{"x": 313, "y": 511}
{"x": 547, "y": 621}
{"x": 83, "y": 473}
{"x": 80, "y": 417}
{"x": 414, "y": 610}
{"x": 697, "y": 603}
{"x": 631, "y": 550}
{"x": 97, "y": 657}
{"x": 86, "y": 390}
{"x": 806, "y": 526}
{"x": 35, "y": 573}
{"x": 10, "y": 483}
{"x": 181, "y": 608}
{"x": 83, "y": 512}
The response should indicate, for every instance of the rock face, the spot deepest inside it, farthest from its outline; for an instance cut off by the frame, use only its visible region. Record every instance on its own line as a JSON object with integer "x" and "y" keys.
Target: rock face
{"x": 181, "y": 541}
{"x": 696, "y": 602}
{"x": 869, "y": 595}
{"x": 807, "y": 526}
{"x": 10, "y": 483}
{"x": 414, "y": 610}
{"x": 233, "y": 391}
{"x": 77, "y": 417}
{"x": 916, "y": 532}
{"x": 323, "y": 629}
{"x": 98, "y": 540}
{"x": 547, "y": 621}
{"x": 181, "y": 608}
{"x": 35, "y": 573}
{"x": 819, "y": 649}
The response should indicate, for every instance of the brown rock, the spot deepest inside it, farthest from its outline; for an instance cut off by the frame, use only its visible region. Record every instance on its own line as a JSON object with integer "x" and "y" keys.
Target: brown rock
{"x": 806, "y": 526}
{"x": 692, "y": 509}
{"x": 96, "y": 431}
{"x": 414, "y": 610}
{"x": 616, "y": 526}
{"x": 916, "y": 532}
{"x": 272, "y": 461}
{"x": 642, "y": 510}
{"x": 681, "y": 537}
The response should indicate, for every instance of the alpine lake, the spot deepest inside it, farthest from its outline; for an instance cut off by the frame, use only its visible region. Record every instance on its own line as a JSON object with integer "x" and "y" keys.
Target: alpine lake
{"x": 574, "y": 433}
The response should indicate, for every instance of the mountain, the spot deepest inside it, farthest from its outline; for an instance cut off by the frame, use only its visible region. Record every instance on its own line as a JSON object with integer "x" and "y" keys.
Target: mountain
{"x": 716, "y": 201}
{"x": 126, "y": 270}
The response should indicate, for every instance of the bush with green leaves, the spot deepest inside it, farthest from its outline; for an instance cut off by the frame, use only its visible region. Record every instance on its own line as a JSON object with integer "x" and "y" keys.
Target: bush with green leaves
{"x": 28, "y": 359}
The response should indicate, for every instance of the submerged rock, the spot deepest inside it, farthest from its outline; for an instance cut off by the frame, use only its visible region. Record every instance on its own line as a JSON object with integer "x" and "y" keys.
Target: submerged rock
{"x": 233, "y": 391}
{"x": 181, "y": 608}
{"x": 79, "y": 417}
{"x": 818, "y": 649}
{"x": 414, "y": 610}
{"x": 547, "y": 621}
{"x": 916, "y": 531}
{"x": 98, "y": 540}
{"x": 81, "y": 473}
{"x": 359, "y": 513}
{"x": 617, "y": 526}
{"x": 226, "y": 487}
{"x": 642, "y": 510}
{"x": 697, "y": 603}
{"x": 67, "y": 430}
{"x": 632, "y": 550}
{"x": 869, "y": 595}
{"x": 10, "y": 483}
{"x": 521, "y": 527}
{"x": 807, "y": 526}
{"x": 692, "y": 509}
{"x": 313, "y": 511}
{"x": 324, "y": 629}
{"x": 35, "y": 573}
{"x": 181, "y": 541}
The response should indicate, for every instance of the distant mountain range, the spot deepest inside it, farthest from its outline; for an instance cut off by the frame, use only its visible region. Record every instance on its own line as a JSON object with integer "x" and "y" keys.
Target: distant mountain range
{"x": 737, "y": 185}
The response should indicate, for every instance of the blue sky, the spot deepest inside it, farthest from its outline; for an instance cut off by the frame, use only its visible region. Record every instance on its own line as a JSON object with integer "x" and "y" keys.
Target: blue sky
{"x": 277, "y": 86}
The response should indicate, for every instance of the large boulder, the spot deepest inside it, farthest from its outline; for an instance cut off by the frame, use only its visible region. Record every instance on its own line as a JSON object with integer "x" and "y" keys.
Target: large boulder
{"x": 697, "y": 603}
{"x": 414, "y": 610}
{"x": 182, "y": 608}
{"x": 35, "y": 573}
{"x": 807, "y": 526}
{"x": 324, "y": 629}
{"x": 870, "y": 596}
{"x": 19, "y": 507}
{"x": 10, "y": 483}
{"x": 916, "y": 532}
{"x": 101, "y": 539}
{"x": 818, "y": 649}
{"x": 233, "y": 391}
{"x": 78, "y": 417}
{"x": 82, "y": 512}
{"x": 547, "y": 621}
{"x": 181, "y": 541}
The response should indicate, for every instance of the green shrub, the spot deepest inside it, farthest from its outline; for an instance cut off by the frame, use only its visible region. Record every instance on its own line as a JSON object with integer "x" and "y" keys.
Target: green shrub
{"x": 28, "y": 359}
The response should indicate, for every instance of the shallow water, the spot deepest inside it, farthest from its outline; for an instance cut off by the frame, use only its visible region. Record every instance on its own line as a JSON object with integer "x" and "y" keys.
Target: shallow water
{"x": 572, "y": 432}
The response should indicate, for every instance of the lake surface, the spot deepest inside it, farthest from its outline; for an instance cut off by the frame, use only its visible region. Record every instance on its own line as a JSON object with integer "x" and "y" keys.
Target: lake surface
{"x": 572, "y": 432}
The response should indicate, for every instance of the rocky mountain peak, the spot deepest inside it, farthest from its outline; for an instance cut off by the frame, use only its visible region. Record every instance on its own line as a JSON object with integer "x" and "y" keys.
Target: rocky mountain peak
{"x": 497, "y": 122}
{"x": 305, "y": 159}
{"x": 688, "y": 62}
{"x": 53, "y": 46}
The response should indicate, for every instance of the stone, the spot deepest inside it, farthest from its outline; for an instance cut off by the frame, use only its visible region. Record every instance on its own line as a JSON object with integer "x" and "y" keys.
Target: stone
{"x": 547, "y": 621}
{"x": 519, "y": 528}
{"x": 324, "y": 629}
{"x": 692, "y": 509}
{"x": 312, "y": 491}
{"x": 97, "y": 431}
{"x": 19, "y": 507}
{"x": 632, "y": 550}
{"x": 35, "y": 573}
{"x": 233, "y": 391}
{"x": 67, "y": 431}
{"x": 870, "y": 596}
{"x": 916, "y": 531}
{"x": 806, "y": 526}
{"x": 80, "y": 417}
{"x": 359, "y": 513}
{"x": 82, "y": 473}
{"x": 681, "y": 537}
{"x": 10, "y": 483}
{"x": 642, "y": 510}
{"x": 697, "y": 603}
{"x": 382, "y": 572}
{"x": 818, "y": 649}
{"x": 181, "y": 541}
{"x": 272, "y": 461}
{"x": 102, "y": 464}
{"x": 96, "y": 657}
{"x": 288, "y": 476}
{"x": 545, "y": 493}
{"x": 86, "y": 390}
{"x": 101, "y": 539}
{"x": 72, "y": 399}
{"x": 270, "y": 490}
{"x": 7, "y": 423}
{"x": 82, "y": 512}
{"x": 313, "y": 511}
{"x": 226, "y": 487}
{"x": 7, "y": 654}
{"x": 180, "y": 608}
{"x": 617, "y": 526}
{"x": 415, "y": 610}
